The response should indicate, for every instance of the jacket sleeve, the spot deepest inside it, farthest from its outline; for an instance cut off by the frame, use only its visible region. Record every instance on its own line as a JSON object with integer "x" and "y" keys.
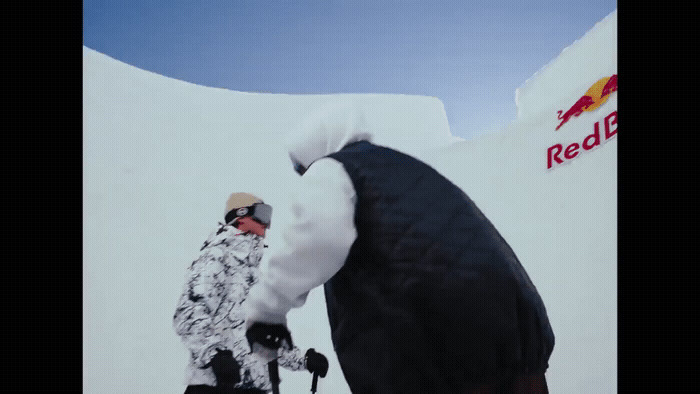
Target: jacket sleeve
{"x": 316, "y": 243}
{"x": 193, "y": 316}
{"x": 292, "y": 360}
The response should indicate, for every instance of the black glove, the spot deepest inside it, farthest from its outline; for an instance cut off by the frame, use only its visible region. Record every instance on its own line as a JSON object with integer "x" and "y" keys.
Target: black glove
{"x": 271, "y": 336}
{"x": 226, "y": 370}
{"x": 316, "y": 362}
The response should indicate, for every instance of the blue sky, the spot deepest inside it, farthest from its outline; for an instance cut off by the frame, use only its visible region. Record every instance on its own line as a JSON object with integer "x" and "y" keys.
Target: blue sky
{"x": 472, "y": 55}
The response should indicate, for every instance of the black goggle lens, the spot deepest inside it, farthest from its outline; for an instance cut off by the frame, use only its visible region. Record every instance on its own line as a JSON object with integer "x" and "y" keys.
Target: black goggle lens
{"x": 262, "y": 213}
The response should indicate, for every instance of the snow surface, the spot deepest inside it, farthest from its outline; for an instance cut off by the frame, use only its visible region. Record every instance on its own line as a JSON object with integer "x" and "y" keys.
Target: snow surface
{"x": 161, "y": 156}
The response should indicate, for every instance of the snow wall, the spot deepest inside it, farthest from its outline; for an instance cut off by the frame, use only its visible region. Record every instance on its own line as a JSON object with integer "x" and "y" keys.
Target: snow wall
{"x": 161, "y": 156}
{"x": 559, "y": 218}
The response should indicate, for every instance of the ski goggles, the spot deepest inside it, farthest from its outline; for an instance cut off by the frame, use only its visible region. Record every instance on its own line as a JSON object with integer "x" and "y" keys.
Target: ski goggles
{"x": 259, "y": 212}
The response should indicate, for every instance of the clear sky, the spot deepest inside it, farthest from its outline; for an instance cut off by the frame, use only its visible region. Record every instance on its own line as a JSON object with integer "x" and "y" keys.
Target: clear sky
{"x": 472, "y": 55}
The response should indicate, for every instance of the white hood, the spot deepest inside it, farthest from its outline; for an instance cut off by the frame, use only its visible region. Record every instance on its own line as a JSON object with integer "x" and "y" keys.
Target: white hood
{"x": 326, "y": 131}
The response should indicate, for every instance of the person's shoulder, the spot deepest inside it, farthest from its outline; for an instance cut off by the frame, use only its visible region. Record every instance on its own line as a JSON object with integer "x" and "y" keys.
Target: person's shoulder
{"x": 325, "y": 167}
{"x": 219, "y": 239}
{"x": 223, "y": 232}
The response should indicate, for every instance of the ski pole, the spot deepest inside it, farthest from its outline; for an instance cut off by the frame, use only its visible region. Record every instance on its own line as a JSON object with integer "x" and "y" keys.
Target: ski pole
{"x": 274, "y": 376}
{"x": 314, "y": 381}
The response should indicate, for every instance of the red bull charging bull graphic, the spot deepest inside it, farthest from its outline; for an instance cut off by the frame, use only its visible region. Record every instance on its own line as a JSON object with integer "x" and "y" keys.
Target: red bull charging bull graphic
{"x": 594, "y": 97}
{"x": 603, "y": 130}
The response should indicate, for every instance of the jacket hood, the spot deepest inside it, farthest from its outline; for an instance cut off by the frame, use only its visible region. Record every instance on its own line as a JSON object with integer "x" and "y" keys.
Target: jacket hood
{"x": 327, "y": 130}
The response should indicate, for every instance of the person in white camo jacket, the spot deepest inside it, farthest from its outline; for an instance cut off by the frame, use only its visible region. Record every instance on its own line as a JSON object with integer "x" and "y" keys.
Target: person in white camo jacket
{"x": 209, "y": 317}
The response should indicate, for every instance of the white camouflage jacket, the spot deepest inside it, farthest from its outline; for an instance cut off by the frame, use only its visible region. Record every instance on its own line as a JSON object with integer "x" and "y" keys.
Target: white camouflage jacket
{"x": 210, "y": 314}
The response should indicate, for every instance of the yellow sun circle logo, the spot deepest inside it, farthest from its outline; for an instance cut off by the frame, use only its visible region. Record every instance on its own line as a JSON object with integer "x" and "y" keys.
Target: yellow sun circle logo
{"x": 595, "y": 92}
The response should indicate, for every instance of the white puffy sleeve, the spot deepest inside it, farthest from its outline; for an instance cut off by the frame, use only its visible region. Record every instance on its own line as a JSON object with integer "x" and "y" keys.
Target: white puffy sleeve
{"x": 316, "y": 243}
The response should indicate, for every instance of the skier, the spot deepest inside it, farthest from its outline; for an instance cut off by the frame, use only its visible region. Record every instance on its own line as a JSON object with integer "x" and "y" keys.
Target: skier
{"x": 422, "y": 293}
{"x": 209, "y": 316}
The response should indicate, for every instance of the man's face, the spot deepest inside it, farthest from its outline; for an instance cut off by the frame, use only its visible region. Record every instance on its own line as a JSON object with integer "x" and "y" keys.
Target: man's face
{"x": 247, "y": 223}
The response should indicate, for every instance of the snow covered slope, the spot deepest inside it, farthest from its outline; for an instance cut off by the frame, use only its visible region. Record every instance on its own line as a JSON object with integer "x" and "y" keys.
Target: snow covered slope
{"x": 161, "y": 156}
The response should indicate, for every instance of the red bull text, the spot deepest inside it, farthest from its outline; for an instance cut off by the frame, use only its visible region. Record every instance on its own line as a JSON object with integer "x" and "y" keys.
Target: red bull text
{"x": 554, "y": 152}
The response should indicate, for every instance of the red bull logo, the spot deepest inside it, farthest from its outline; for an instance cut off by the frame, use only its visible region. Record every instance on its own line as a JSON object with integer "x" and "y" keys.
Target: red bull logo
{"x": 594, "y": 97}
{"x": 558, "y": 154}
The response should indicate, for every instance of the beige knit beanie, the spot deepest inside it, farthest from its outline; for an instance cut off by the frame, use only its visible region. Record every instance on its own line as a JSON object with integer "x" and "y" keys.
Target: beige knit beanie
{"x": 240, "y": 200}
